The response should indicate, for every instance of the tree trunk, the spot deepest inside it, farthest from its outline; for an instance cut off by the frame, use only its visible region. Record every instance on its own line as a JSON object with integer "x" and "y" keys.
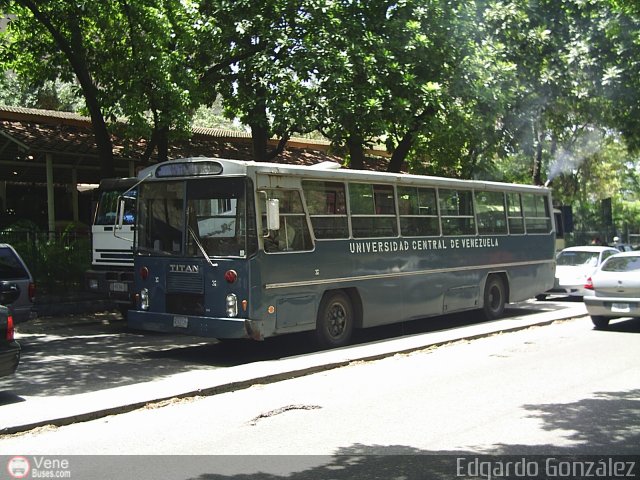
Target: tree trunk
{"x": 77, "y": 58}
{"x": 356, "y": 152}
{"x": 400, "y": 153}
{"x": 102, "y": 137}
{"x": 163, "y": 144}
{"x": 259, "y": 139}
{"x": 259, "y": 127}
{"x": 537, "y": 161}
{"x": 406, "y": 144}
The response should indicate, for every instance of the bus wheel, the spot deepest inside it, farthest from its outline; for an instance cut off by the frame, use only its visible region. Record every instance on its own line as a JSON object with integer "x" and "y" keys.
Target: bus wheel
{"x": 335, "y": 320}
{"x": 495, "y": 298}
{"x": 600, "y": 322}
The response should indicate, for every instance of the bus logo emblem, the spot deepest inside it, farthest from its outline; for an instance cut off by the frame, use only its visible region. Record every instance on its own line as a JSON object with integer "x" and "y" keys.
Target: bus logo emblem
{"x": 181, "y": 268}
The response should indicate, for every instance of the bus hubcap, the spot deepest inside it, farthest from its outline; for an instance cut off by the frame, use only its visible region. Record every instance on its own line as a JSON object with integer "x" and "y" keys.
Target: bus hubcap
{"x": 337, "y": 320}
{"x": 495, "y": 298}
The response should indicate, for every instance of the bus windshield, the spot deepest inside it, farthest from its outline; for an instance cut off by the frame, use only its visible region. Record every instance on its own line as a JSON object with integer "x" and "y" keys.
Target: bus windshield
{"x": 196, "y": 217}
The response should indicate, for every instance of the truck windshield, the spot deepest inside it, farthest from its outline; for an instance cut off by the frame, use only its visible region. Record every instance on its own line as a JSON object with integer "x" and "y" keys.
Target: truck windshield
{"x": 108, "y": 205}
{"x": 186, "y": 217}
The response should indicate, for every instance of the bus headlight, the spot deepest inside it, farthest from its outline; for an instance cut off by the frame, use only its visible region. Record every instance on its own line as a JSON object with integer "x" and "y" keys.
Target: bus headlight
{"x": 144, "y": 299}
{"x": 232, "y": 305}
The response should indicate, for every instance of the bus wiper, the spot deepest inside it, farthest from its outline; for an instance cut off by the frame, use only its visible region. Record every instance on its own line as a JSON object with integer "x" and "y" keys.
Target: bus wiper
{"x": 149, "y": 250}
{"x": 200, "y": 247}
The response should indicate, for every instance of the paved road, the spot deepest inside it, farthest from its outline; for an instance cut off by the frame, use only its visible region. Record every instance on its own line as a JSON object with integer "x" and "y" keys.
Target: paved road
{"x": 77, "y": 367}
{"x": 560, "y": 392}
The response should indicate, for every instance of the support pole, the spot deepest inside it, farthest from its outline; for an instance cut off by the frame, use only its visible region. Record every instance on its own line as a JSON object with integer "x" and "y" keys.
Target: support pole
{"x": 51, "y": 211}
{"x": 74, "y": 194}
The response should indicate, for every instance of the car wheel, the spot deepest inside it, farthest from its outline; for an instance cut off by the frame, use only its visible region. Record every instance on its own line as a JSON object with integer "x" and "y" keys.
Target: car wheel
{"x": 334, "y": 324}
{"x": 600, "y": 322}
{"x": 541, "y": 297}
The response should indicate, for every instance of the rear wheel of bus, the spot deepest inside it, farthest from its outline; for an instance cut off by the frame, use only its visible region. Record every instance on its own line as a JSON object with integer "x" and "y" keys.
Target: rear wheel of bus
{"x": 335, "y": 321}
{"x": 495, "y": 297}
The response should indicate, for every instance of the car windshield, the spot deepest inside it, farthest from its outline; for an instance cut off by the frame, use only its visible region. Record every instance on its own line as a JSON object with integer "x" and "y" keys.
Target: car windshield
{"x": 10, "y": 267}
{"x": 577, "y": 258}
{"x": 622, "y": 264}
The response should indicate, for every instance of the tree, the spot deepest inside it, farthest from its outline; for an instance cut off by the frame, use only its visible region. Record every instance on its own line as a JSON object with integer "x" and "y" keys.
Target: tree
{"x": 465, "y": 138}
{"x": 266, "y": 83}
{"x": 550, "y": 43}
{"x": 48, "y": 41}
{"x": 616, "y": 43}
{"x": 132, "y": 60}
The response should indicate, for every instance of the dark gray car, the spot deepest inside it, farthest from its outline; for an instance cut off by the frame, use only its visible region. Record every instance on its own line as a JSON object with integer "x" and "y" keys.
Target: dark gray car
{"x": 16, "y": 280}
{"x": 9, "y": 348}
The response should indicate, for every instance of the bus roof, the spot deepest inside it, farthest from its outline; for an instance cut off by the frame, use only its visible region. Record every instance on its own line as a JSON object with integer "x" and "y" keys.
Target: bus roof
{"x": 333, "y": 171}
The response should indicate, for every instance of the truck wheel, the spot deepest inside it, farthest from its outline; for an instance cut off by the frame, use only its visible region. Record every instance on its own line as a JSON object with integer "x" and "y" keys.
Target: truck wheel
{"x": 495, "y": 298}
{"x": 600, "y": 322}
{"x": 334, "y": 324}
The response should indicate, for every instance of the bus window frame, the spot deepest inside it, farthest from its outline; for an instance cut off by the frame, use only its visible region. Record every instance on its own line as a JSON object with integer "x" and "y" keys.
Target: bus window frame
{"x": 394, "y": 216}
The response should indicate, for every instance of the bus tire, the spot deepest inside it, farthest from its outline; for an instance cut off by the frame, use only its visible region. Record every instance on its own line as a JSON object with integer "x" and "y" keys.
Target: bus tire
{"x": 495, "y": 298}
{"x": 600, "y": 322}
{"x": 335, "y": 321}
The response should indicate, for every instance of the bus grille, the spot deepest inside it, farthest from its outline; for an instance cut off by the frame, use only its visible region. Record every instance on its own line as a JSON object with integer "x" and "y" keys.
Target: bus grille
{"x": 185, "y": 283}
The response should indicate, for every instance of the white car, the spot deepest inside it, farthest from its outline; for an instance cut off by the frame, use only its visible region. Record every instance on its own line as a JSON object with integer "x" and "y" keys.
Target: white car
{"x": 574, "y": 265}
{"x": 616, "y": 289}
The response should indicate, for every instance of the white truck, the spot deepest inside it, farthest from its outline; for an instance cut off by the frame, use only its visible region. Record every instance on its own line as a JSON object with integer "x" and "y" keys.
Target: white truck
{"x": 111, "y": 272}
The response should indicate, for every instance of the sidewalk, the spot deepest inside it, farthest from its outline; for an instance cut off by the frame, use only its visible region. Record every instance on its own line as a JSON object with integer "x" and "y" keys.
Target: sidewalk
{"x": 63, "y": 410}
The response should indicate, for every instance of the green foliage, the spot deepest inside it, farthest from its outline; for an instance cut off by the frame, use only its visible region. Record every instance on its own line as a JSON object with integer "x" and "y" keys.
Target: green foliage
{"x": 490, "y": 89}
{"x": 57, "y": 264}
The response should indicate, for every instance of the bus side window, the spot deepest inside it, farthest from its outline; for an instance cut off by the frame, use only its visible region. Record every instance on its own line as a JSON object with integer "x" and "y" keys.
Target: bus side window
{"x": 514, "y": 213}
{"x": 373, "y": 211}
{"x": 327, "y": 206}
{"x": 293, "y": 234}
{"x": 418, "y": 212}
{"x": 536, "y": 213}
{"x": 491, "y": 213}
{"x": 456, "y": 209}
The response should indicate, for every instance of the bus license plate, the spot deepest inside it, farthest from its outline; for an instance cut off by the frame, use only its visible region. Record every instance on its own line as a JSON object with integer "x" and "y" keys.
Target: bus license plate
{"x": 620, "y": 307}
{"x": 118, "y": 287}
{"x": 180, "y": 322}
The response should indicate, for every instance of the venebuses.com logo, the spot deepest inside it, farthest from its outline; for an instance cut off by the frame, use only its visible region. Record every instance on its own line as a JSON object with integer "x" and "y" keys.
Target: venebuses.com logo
{"x": 38, "y": 467}
{"x": 18, "y": 467}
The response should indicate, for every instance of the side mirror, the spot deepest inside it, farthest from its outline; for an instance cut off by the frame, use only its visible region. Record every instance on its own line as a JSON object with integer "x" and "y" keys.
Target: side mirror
{"x": 9, "y": 293}
{"x": 273, "y": 214}
{"x": 120, "y": 214}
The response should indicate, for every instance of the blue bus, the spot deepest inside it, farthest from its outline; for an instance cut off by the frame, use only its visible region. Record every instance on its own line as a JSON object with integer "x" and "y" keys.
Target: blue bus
{"x": 239, "y": 249}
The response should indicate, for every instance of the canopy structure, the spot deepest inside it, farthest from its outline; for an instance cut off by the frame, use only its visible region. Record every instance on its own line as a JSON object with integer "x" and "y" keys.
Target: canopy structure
{"x": 45, "y": 155}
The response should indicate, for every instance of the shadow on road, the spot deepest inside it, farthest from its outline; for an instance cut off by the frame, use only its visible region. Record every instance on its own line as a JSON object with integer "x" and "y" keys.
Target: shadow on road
{"x": 598, "y": 430}
{"x": 83, "y": 354}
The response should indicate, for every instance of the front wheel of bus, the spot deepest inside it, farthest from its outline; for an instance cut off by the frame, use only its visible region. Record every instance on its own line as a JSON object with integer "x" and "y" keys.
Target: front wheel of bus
{"x": 495, "y": 297}
{"x": 334, "y": 325}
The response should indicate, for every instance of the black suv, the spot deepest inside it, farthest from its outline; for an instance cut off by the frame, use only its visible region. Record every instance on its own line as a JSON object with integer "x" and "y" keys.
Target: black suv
{"x": 17, "y": 283}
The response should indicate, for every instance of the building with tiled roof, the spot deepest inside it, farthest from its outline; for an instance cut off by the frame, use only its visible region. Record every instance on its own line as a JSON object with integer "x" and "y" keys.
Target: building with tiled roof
{"x": 45, "y": 155}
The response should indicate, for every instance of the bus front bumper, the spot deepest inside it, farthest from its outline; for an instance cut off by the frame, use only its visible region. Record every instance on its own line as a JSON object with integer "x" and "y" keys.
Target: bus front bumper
{"x": 196, "y": 326}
